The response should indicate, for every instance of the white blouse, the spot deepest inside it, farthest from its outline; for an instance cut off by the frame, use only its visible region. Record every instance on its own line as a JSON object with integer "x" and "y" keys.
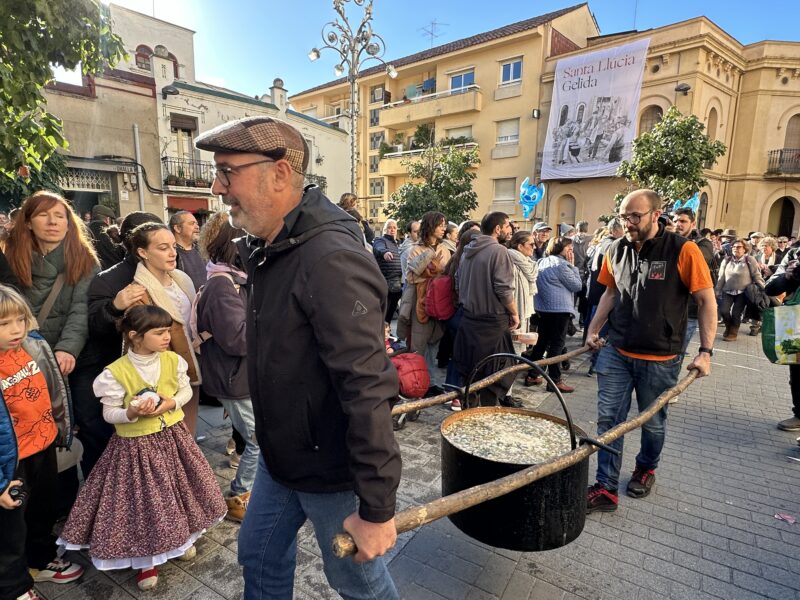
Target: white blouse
{"x": 112, "y": 394}
{"x": 181, "y": 301}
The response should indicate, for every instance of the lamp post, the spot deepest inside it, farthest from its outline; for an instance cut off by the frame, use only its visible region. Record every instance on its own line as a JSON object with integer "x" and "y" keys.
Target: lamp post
{"x": 355, "y": 47}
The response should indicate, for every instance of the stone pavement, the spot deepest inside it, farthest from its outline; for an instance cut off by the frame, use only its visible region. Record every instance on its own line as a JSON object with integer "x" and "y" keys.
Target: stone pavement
{"x": 707, "y": 532}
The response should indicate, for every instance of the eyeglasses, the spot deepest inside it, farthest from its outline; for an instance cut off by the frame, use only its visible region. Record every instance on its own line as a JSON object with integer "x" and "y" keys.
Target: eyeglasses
{"x": 223, "y": 173}
{"x": 634, "y": 218}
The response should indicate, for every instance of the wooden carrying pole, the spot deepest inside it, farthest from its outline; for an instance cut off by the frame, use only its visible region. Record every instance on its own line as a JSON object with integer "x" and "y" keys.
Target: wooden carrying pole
{"x": 407, "y": 407}
{"x": 416, "y": 516}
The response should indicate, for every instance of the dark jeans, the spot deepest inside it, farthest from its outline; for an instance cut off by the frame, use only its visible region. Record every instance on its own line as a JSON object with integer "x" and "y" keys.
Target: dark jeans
{"x": 731, "y": 309}
{"x": 794, "y": 385}
{"x": 451, "y": 326}
{"x": 93, "y": 431}
{"x": 552, "y": 335}
{"x": 392, "y": 301}
{"x": 27, "y": 531}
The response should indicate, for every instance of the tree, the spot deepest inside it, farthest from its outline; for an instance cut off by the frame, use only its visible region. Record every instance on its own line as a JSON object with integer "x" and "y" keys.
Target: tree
{"x": 14, "y": 190}
{"x": 443, "y": 182}
{"x": 670, "y": 159}
{"x": 34, "y": 35}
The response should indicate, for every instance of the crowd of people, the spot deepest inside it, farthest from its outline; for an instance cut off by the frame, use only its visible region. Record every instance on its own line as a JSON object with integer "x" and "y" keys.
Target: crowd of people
{"x": 110, "y": 333}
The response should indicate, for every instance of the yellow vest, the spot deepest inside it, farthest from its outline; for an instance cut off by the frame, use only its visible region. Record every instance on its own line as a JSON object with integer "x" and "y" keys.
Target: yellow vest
{"x": 129, "y": 378}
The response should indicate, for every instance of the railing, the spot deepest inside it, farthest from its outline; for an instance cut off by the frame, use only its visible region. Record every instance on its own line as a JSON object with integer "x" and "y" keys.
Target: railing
{"x": 785, "y": 160}
{"x": 409, "y": 153}
{"x": 434, "y": 96}
{"x": 185, "y": 172}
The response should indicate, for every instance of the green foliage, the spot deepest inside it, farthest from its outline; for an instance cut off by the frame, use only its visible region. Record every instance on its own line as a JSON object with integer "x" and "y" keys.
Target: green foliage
{"x": 385, "y": 148}
{"x": 670, "y": 159}
{"x": 33, "y": 35}
{"x": 14, "y": 190}
{"x": 443, "y": 182}
{"x": 457, "y": 141}
{"x": 423, "y": 136}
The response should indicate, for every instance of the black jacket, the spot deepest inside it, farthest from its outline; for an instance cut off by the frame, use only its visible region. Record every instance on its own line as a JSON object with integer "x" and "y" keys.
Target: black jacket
{"x": 391, "y": 270}
{"x": 104, "y": 344}
{"x": 707, "y": 248}
{"x": 222, "y": 312}
{"x": 320, "y": 380}
{"x": 108, "y": 252}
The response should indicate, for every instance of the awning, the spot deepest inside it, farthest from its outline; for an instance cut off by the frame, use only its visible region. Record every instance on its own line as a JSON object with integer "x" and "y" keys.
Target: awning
{"x": 187, "y": 203}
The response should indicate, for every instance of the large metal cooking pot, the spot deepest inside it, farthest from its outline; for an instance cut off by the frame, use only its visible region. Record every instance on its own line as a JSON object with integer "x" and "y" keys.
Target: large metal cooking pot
{"x": 546, "y": 514}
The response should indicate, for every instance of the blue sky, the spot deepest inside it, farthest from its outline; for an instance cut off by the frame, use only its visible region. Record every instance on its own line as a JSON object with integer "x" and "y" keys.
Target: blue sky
{"x": 245, "y": 44}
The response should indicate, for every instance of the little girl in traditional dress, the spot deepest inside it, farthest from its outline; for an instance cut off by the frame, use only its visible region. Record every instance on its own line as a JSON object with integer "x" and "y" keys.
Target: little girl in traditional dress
{"x": 152, "y": 494}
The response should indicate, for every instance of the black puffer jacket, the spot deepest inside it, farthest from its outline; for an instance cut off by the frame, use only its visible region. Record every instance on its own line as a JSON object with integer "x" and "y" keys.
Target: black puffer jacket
{"x": 390, "y": 269}
{"x": 320, "y": 380}
{"x": 104, "y": 344}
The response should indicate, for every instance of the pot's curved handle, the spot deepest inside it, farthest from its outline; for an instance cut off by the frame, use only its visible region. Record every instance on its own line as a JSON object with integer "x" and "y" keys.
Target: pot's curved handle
{"x": 572, "y": 437}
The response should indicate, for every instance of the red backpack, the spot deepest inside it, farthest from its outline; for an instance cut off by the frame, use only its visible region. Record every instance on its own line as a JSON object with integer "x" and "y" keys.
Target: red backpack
{"x": 440, "y": 298}
{"x": 413, "y": 373}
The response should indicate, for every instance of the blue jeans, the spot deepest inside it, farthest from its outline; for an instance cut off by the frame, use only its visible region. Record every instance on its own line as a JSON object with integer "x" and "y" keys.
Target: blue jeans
{"x": 452, "y": 325}
{"x": 268, "y": 543}
{"x": 618, "y": 376}
{"x": 241, "y": 414}
{"x": 691, "y": 327}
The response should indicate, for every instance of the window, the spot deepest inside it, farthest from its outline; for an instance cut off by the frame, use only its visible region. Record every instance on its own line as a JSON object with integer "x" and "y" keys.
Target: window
{"x": 505, "y": 189}
{"x": 376, "y": 186}
{"x": 183, "y": 140}
{"x": 375, "y": 94}
{"x": 462, "y": 80}
{"x": 508, "y": 131}
{"x": 143, "y": 54}
{"x": 711, "y": 124}
{"x": 374, "y": 117}
{"x": 374, "y": 208}
{"x": 650, "y": 117}
{"x": 457, "y": 132}
{"x": 511, "y": 71}
{"x": 373, "y": 163}
{"x": 375, "y": 140}
{"x": 792, "y": 139}
{"x": 564, "y": 115}
{"x": 581, "y": 111}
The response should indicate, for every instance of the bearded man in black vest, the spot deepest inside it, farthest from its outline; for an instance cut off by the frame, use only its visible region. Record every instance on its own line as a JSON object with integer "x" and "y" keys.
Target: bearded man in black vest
{"x": 649, "y": 275}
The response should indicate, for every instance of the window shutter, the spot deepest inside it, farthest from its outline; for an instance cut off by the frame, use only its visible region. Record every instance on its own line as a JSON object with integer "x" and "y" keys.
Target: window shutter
{"x": 178, "y": 121}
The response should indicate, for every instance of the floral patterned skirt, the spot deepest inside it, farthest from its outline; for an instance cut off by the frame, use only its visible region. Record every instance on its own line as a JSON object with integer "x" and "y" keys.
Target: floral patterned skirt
{"x": 147, "y": 500}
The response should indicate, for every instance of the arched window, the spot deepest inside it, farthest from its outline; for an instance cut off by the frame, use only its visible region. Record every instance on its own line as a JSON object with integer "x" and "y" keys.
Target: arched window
{"x": 143, "y": 54}
{"x": 564, "y": 114}
{"x": 793, "y": 133}
{"x": 650, "y": 116}
{"x": 581, "y": 110}
{"x": 711, "y": 124}
{"x": 174, "y": 65}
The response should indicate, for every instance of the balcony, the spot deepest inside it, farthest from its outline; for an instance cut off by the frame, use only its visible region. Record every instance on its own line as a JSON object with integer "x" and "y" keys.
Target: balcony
{"x": 783, "y": 162}
{"x": 187, "y": 173}
{"x": 424, "y": 109}
{"x": 391, "y": 164}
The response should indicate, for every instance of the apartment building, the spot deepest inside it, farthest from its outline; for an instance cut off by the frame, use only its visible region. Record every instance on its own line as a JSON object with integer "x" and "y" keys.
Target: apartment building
{"x": 479, "y": 91}
{"x": 494, "y": 90}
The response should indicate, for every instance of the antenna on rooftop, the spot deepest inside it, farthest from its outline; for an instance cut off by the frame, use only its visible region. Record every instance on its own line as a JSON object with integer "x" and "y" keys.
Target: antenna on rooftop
{"x": 432, "y": 31}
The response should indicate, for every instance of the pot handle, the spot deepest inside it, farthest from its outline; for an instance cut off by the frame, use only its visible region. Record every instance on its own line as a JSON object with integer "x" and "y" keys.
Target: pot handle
{"x": 516, "y": 357}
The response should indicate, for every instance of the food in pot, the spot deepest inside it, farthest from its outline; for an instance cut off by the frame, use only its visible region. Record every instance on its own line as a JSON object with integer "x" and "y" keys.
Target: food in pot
{"x": 509, "y": 437}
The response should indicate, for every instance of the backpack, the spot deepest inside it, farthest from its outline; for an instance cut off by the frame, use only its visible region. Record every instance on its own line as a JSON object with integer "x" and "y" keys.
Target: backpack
{"x": 198, "y": 337}
{"x": 413, "y": 373}
{"x": 440, "y": 298}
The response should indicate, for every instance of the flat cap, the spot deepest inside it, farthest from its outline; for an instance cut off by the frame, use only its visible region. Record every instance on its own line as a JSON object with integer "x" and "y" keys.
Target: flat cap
{"x": 542, "y": 227}
{"x": 258, "y": 135}
{"x": 757, "y": 234}
{"x": 99, "y": 210}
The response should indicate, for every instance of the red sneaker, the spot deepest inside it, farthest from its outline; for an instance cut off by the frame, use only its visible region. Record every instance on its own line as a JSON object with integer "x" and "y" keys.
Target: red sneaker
{"x": 601, "y": 499}
{"x": 58, "y": 571}
{"x": 147, "y": 579}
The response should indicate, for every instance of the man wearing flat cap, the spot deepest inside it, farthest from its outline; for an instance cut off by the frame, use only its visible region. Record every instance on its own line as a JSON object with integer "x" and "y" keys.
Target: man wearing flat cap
{"x": 109, "y": 252}
{"x": 320, "y": 380}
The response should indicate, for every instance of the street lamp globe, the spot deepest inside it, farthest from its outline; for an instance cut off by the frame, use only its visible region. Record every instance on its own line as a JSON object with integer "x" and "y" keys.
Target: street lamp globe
{"x": 339, "y": 70}
{"x": 314, "y": 54}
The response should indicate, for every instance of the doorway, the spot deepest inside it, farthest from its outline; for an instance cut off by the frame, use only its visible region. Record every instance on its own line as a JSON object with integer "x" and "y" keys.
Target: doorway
{"x": 782, "y": 216}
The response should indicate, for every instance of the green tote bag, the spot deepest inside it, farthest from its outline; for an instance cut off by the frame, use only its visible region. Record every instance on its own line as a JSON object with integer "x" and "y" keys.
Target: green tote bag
{"x": 780, "y": 331}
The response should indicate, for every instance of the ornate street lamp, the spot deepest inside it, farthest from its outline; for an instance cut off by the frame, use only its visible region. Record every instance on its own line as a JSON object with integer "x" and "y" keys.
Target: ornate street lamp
{"x": 355, "y": 47}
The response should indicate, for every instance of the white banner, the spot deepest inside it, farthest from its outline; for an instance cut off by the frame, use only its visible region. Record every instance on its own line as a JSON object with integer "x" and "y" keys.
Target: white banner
{"x": 593, "y": 112}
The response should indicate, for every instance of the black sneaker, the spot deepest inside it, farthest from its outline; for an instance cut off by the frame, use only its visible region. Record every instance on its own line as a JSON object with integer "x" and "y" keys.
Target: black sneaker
{"x": 511, "y": 402}
{"x": 601, "y": 499}
{"x": 641, "y": 482}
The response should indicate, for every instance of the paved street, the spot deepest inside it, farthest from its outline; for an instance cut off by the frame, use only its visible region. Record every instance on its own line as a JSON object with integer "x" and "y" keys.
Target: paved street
{"x": 708, "y": 530}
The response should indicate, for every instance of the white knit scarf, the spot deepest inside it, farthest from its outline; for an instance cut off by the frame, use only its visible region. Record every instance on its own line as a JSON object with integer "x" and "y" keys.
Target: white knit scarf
{"x": 156, "y": 289}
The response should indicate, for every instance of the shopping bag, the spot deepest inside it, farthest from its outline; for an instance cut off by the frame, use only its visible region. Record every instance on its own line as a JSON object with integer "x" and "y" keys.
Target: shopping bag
{"x": 780, "y": 331}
